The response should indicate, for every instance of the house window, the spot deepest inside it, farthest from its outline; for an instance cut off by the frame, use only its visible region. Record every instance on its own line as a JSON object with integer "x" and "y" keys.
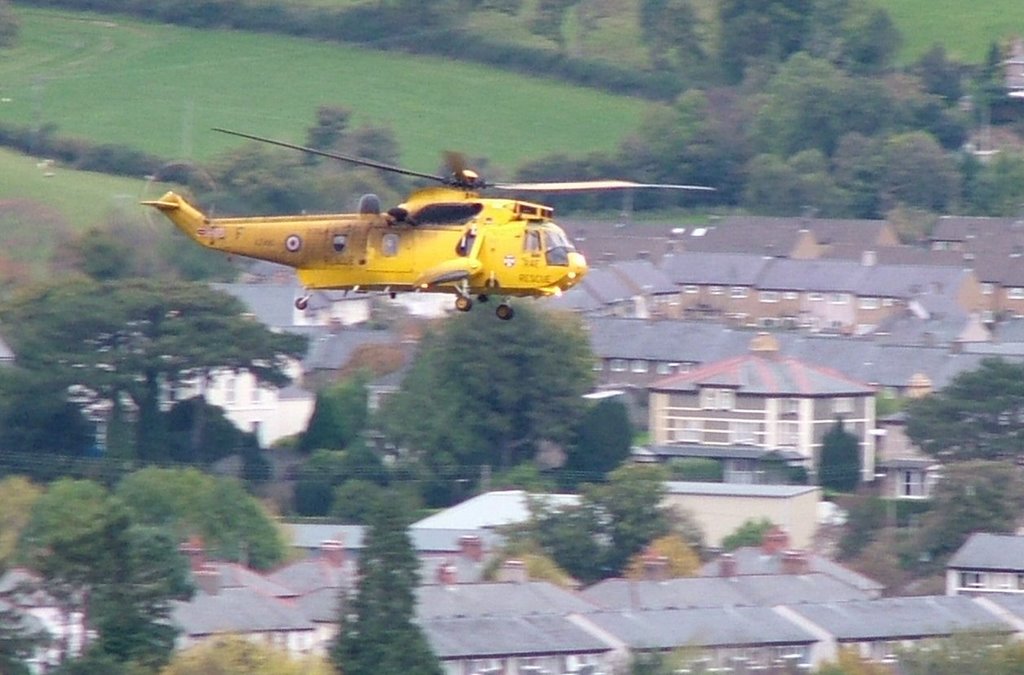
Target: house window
{"x": 869, "y": 303}
{"x": 688, "y": 431}
{"x": 717, "y": 399}
{"x": 911, "y": 483}
{"x": 789, "y": 434}
{"x": 716, "y": 290}
{"x": 618, "y": 365}
{"x": 815, "y": 297}
{"x": 664, "y": 368}
{"x": 838, "y": 298}
{"x": 230, "y": 389}
{"x": 769, "y": 296}
{"x": 842, "y": 406}
{"x": 790, "y": 295}
{"x": 887, "y": 302}
{"x": 742, "y": 432}
{"x": 970, "y": 580}
{"x": 690, "y": 288}
{"x": 638, "y": 366}
{"x": 598, "y": 366}
{"x": 789, "y": 406}
{"x": 988, "y": 289}
{"x": 738, "y": 292}
{"x": 1016, "y": 293}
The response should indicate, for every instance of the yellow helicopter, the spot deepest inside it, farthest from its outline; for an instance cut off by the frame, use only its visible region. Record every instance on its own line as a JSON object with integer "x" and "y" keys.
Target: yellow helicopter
{"x": 445, "y": 239}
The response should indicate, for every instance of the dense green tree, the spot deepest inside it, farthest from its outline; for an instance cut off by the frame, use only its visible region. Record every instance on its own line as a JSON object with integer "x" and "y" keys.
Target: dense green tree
{"x": 994, "y": 187}
{"x": 604, "y": 437}
{"x": 857, "y": 168}
{"x": 790, "y": 188}
{"x": 37, "y": 419}
{"x": 570, "y": 535}
{"x": 810, "y": 104}
{"x": 979, "y": 415}
{"x": 918, "y": 173}
{"x": 940, "y": 75}
{"x": 329, "y": 128}
{"x": 232, "y": 524}
{"x": 134, "y": 338}
{"x": 94, "y": 558}
{"x": 972, "y": 496}
{"x": 486, "y": 392}
{"x": 671, "y": 32}
{"x": 381, "y": 615}
{"x": 339, "y": 416}
{"x": 758, "y": 30}
{"x": 839, "y": 467}
{"x": 17, "y": 494}
{"x": 613, "y": 522}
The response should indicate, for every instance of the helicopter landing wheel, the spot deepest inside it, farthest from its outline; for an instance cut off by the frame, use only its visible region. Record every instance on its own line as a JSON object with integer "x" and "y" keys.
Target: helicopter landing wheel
{"x": 463, "y": 304}
{"x": 504, "y": 311}
{"x": 302, "y": 303}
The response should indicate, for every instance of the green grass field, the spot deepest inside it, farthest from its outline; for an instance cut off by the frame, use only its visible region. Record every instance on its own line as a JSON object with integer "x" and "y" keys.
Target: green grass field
{"x": 84, "y": 198}
{"x": 161, "y": 88}
{"x": 965, "y": 29}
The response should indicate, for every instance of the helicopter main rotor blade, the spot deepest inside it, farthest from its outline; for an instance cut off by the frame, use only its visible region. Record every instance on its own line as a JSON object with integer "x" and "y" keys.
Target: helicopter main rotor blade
{"x": 362, "y": 161}
{"x": 581, "y": 185}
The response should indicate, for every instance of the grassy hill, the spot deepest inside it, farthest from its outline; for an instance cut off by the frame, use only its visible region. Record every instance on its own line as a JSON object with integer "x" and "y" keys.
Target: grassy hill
{"x": 965, "y": 29}
{"x": 160, "y": 88}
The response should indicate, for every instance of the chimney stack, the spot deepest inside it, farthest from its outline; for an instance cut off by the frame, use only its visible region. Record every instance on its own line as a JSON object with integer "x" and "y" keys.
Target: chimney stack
{"x": 193, "y": 550}
{"x": 655, "y": 567}
{"x": 447, "y": 574}
{"x": 472, "y": 547}
{"x": 795, "y": 562}
{"x": 727, "y": 565}
{"x": 514, "y": 571}
{"x": 207, "y": 578}
{"x": 333, "y": 552}
{"x": 775, "y": 541}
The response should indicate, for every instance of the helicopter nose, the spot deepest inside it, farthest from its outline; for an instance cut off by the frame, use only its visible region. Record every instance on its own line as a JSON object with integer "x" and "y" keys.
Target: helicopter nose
{"x": 577, "y": 268}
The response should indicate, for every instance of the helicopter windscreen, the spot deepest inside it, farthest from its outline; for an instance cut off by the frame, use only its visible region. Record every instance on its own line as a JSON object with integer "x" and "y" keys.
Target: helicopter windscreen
{"x": 558, "y": 246}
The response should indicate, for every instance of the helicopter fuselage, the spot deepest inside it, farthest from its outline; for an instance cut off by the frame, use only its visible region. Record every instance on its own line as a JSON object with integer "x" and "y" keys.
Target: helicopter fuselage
{"x": 443, "y": 240}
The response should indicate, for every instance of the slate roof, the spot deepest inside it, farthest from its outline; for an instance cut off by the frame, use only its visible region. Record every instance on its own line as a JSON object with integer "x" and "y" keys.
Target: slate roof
{"x": 849, "y": 276}
{"x": 985, "y": 551}
{"x": 714, "y": 268}
{"x": 331, "y": 351}
{"x": 896, "y": 255}
{"x": 644, "y": 277}
{"x": 752, "y": 560}
{"x": 238, "y": 610}
{"x": 773, "y": 375}
{"x": 669, "y": 341}
{"x": 971, "y": 228}
{"x": 749, "y": 590}
{"x": 862, "y": 359}
{"x": 901, "y": 618}
{"x": 493, "y": 637}
{"x": 272, "y": 303}
{"x": 607, "y": 287}
{"x": 497, "y": 599}
{"x": 703, "y": 627}
{"x": 311, "y": 574}
{"x": 750, "y": 234}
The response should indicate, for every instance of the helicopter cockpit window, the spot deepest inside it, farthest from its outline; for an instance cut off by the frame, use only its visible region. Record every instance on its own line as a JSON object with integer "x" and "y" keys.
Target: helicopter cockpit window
{"x": 558, "y": 248}
{"x": 339, "y": 242}
{"x": 447, "y": 214}
{"x": 389, "y": 244}
{"x": 532, "y": 242}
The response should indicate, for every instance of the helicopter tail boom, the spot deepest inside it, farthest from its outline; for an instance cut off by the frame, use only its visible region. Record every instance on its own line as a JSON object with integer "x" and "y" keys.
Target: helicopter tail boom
{"x": 188, "y": 218}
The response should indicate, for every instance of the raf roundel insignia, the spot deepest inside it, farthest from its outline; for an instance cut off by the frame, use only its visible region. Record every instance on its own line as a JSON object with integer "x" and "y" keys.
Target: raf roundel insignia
{"x": 293, "y": 243}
